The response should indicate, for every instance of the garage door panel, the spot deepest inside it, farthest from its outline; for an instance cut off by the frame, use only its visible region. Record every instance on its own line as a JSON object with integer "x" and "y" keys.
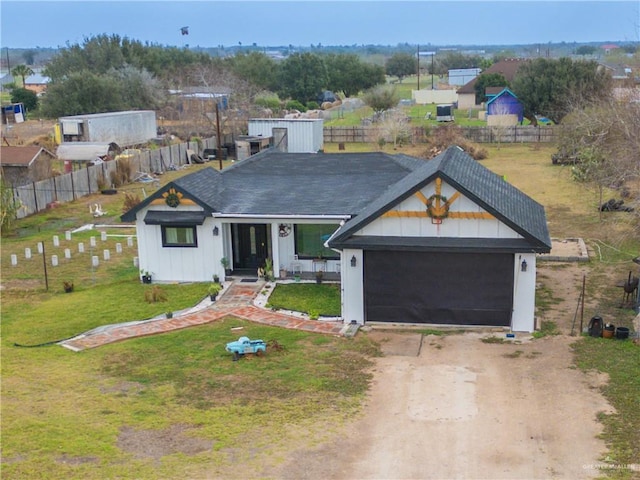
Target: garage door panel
{"x": 443, "y": 288}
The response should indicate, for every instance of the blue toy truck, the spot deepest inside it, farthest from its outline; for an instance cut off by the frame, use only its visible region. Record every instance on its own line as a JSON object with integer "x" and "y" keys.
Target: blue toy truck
{"x": 245, "y": 345}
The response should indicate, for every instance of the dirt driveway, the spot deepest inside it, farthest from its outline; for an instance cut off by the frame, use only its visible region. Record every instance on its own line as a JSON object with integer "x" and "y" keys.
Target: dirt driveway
{"x": 463, "y": 408}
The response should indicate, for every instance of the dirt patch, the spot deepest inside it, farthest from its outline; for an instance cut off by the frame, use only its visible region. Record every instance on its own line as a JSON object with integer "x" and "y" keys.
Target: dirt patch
{"x": 468, "y": 410}
{"x": 31, "y": 132}
{"x": 156, "y": 444}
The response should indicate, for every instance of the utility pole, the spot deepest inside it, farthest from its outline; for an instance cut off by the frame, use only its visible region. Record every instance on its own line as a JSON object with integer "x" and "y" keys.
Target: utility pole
{"x": 432, "y": 72}
{"x": 418, "y": 67}
{"x": 218, "y": 142}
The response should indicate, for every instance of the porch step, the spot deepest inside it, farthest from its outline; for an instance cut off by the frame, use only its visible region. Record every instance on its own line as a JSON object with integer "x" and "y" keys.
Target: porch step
{"x": 350, "y": 330}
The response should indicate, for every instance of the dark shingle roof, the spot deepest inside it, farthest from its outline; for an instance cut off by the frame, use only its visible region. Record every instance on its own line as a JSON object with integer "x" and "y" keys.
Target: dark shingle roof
{"x": 362, "y": 185}
{"x": 507, "y": 68}
{"x": 490, "y": 191}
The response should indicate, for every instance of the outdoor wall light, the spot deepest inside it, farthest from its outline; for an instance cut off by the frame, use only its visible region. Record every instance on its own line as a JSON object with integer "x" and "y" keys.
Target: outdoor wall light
{"x": 216, "y": 232}
{"x": 523, "y": 266}
{"x": 353, "y": 261}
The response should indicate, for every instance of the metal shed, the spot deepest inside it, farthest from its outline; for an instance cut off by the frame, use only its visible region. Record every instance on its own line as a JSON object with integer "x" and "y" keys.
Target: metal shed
{"x": 300, "y": 135}
{"x": 86, "y": 151}
{"x": 124, "y": 128}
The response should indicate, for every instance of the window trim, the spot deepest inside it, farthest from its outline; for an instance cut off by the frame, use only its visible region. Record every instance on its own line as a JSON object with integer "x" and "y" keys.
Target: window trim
{"x": 333, "y": 256}
{"x": 165, "y": 244}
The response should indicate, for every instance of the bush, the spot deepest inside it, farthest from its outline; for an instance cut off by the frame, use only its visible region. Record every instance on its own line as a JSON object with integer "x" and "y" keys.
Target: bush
{"x": 27, "y": 97}
{"x": 295, "y": 105}
{"x": 123, "y": 172}
{"x": 130, "y": 201}
{"x": 272, "y": 102}
{"x": 155, "y": 294}
{"x": 312, "y": 105}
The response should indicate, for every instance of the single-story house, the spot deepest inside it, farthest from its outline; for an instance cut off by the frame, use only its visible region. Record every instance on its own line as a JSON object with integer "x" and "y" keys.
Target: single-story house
{"x": 37, "y": 83}
{"x": 444, "y": 241}
{"x": 507, "y": 68}
{"x": 23, "y": 165}
{"x": 505, "y": 109}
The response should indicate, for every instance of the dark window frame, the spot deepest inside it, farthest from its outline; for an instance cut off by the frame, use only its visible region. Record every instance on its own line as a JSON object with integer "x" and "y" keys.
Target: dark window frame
{"x": 327, "y": 253}
{"x": 166, "y": 244}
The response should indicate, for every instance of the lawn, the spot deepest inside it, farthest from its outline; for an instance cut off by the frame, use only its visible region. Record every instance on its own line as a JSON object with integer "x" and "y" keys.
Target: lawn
{"x": 74, "y": 415}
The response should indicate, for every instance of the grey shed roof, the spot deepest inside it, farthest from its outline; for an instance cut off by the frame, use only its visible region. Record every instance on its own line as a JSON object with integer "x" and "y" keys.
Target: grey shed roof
{"x": 490, "y": 191}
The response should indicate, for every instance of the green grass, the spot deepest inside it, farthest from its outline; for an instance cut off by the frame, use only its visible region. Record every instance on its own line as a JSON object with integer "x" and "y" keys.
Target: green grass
{"x": 621, "y": 361}
{"x": 58, "y": 404}
{"x": 311, "y": 298}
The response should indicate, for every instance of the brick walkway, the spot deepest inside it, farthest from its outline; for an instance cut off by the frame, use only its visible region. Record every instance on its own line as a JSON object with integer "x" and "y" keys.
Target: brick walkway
{"x": 236, "y": 300}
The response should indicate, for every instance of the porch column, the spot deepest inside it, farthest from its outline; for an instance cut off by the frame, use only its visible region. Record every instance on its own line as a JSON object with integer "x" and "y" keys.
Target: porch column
{"x": 275, "y": 249}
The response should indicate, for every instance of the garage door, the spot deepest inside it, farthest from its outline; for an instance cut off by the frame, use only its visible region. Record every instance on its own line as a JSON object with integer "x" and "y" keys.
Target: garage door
{"x": 440, "y": 288}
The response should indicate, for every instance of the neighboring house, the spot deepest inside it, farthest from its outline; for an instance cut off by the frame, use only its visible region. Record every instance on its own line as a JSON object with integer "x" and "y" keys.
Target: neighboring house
{"x": 507, "y": 68}
{"x": 444, "y": 241}
{"x": 23, "y": 165}
{"x": 36, "y": 83}
{"x": 460, "y": 76}
{"x": 504, "y": 109}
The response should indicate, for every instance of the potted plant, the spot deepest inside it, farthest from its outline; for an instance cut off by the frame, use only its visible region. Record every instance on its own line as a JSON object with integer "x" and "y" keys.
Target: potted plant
{"x": 268, "y": 270}
{"x": 68, "y": 287}
{"x": 224, "y": 261}
{"x": 214, "y": 289}
{"x": 319, "y": 275}
{"x": 169, "y": 314}
{"x": 145, "y": 276}
{"x": 216, "y": 279}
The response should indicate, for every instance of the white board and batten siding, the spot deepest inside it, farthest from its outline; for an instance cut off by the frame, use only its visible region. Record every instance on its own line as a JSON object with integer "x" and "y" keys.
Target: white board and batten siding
{"x": 178, "y": 264}
{"x": 524, "y": 282}
{"x": 304, "y": 135}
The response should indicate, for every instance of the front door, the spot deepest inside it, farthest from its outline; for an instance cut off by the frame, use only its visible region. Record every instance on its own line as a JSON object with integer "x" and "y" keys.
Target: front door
{"x": 252, "y": 248}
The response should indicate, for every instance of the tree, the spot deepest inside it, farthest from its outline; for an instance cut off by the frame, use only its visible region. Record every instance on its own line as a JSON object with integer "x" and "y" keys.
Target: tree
{"x": 604, "y": 140}
{"x": 488, "y": 80}
{"x": 552, "y": 88}
{"x": 21, "y": 71}
{"x": 381, "y": 98}
{"x": 140, "y": 90}
{"x": 401, "y": 64}
{"x": 350, "y": 75}
{"x": 255, "y": 67}
{"x": 586, "y": 50}
{"x": 26, "y": 97}
{"x": 302, "y": 77}
{"x": 81, "y": 93}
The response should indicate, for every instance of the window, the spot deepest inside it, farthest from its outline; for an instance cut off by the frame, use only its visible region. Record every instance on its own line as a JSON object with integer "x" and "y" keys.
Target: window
{"x": 179, "y": 236}
{"x": 310, "y": 241}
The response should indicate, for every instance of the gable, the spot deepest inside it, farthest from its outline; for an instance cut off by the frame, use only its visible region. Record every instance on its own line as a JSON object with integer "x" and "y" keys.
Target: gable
{"x": 417, "y": 216}
{"x": 472, "y": 180}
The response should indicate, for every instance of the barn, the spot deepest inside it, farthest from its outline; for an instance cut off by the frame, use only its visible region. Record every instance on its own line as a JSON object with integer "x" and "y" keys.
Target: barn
{"x": 443, "y": 242}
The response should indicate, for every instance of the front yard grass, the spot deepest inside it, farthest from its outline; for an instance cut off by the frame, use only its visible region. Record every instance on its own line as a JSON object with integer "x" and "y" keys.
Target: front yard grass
{"x": 310, "y": 298}
{"x": 63, "y": 413}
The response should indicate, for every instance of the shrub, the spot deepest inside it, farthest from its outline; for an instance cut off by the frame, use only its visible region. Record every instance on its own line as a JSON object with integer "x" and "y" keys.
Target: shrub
{"x": 123, "y": 172}
{"x": 102, "y": 182}
{"x": 130, "y": 201}
{"x": 155, "y": 294}
{"x": 312, "y": 105}
{"x": 295, "y": 105}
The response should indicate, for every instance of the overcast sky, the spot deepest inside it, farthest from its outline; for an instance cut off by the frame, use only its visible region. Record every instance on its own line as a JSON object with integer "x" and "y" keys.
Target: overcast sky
{"x": 27, "y": 23}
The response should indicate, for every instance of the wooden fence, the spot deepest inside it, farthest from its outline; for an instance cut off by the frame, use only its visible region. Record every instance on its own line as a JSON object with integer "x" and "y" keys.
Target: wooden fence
{"x": 37, "y": 196}
{"x": 513, "y": 134}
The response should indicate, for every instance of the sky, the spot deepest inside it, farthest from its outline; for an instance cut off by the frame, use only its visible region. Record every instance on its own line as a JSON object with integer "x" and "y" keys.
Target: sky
{"x": 29, "y": 24}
